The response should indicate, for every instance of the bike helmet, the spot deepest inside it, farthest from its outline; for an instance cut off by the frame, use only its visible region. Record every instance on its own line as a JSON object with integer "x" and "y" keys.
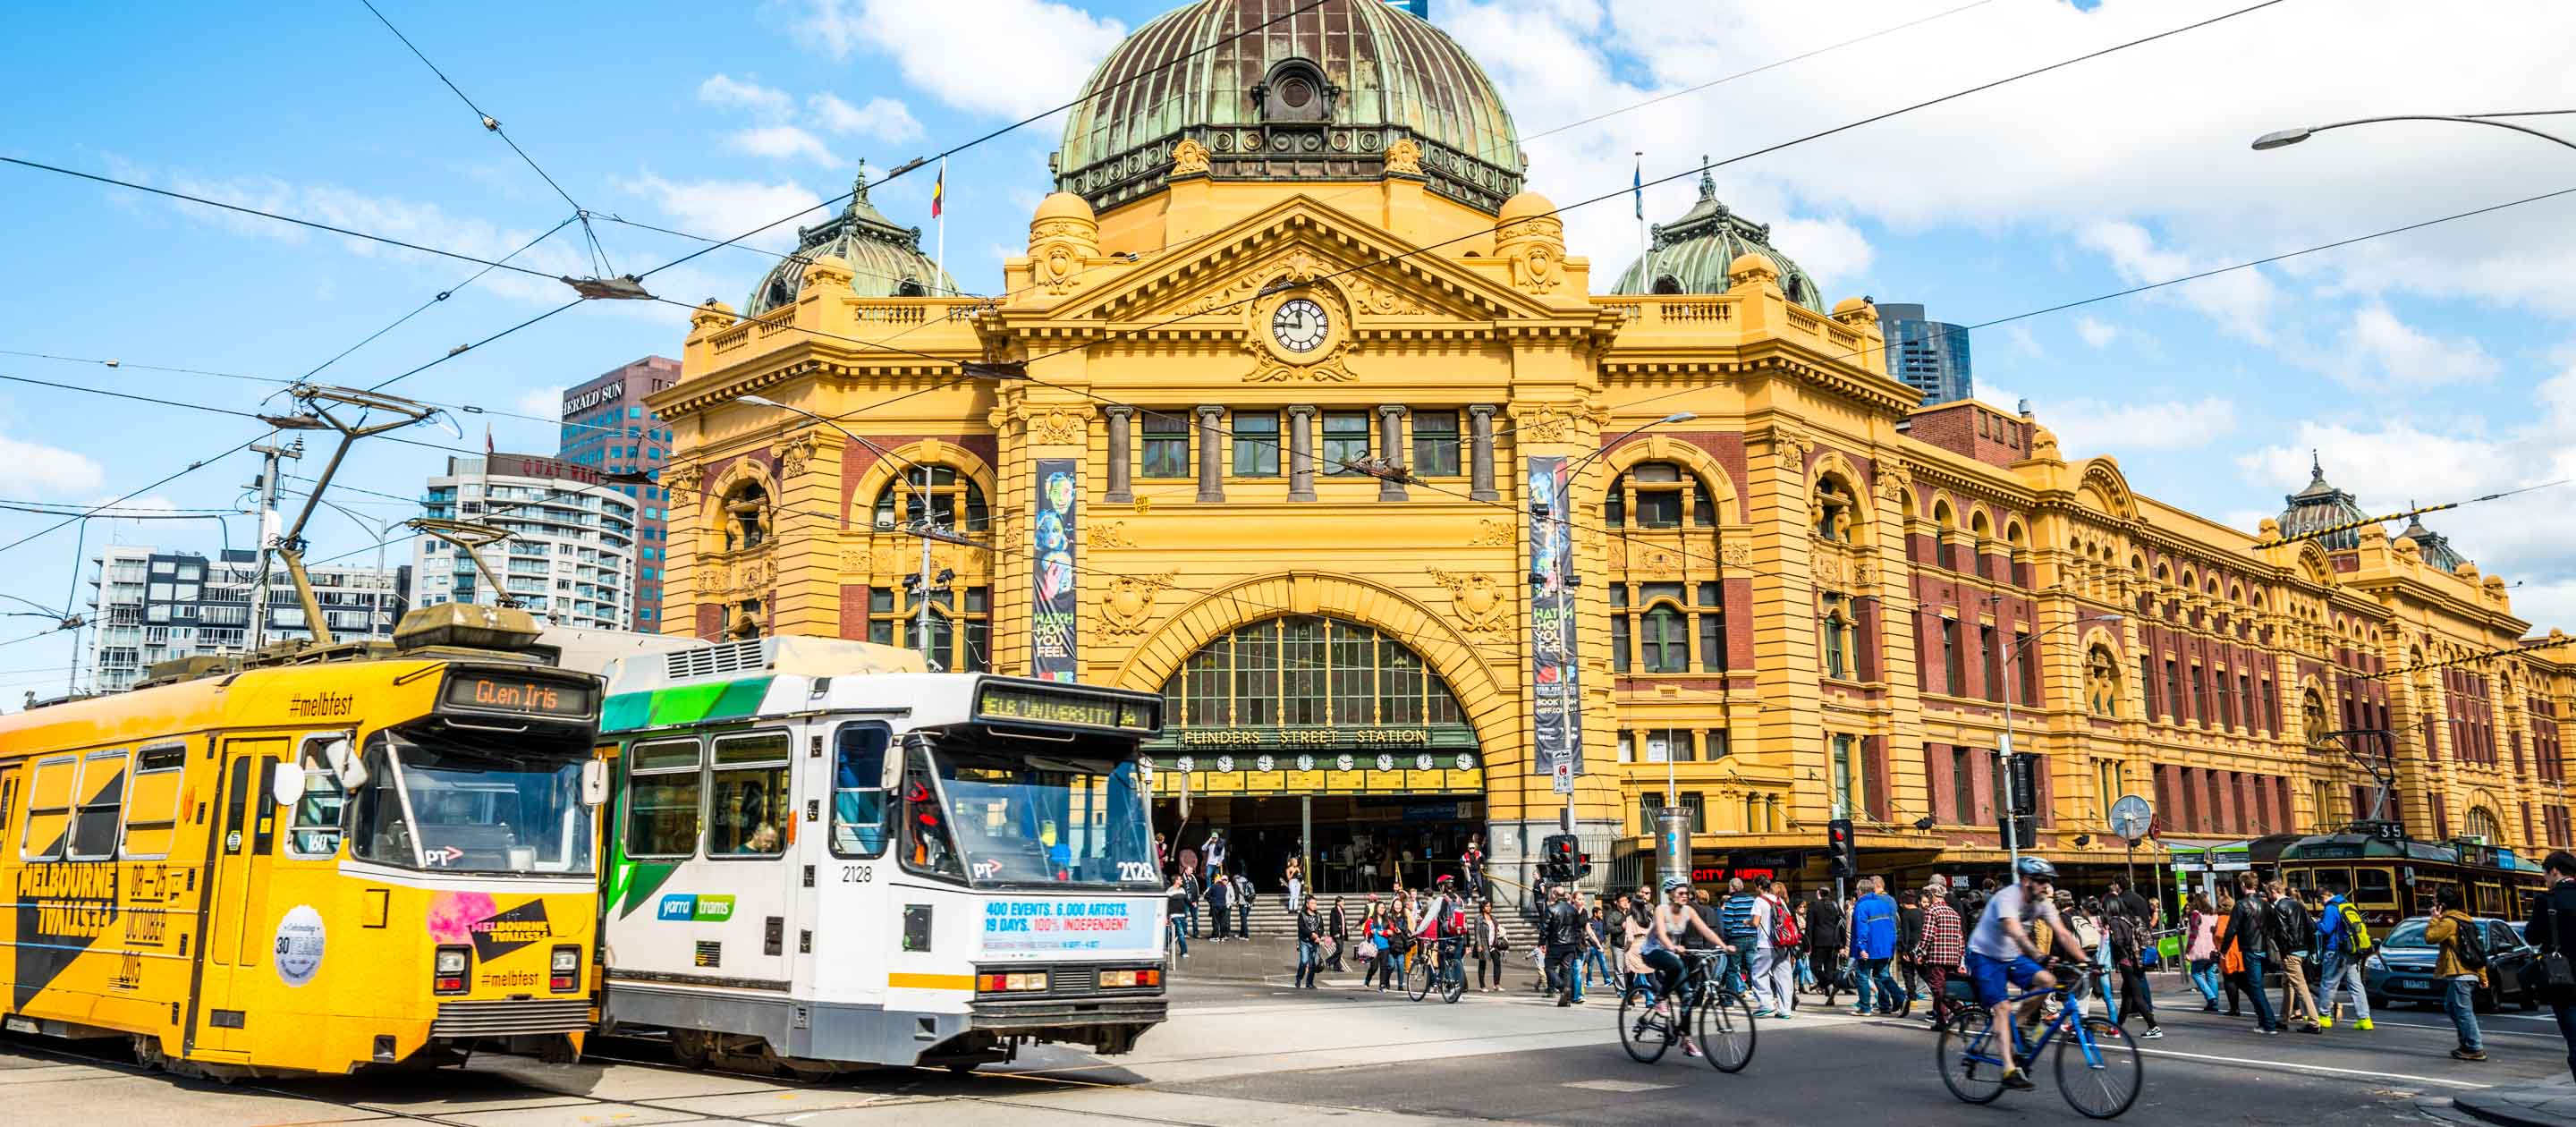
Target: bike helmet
{"x": 1445, "y": 881}
{"x": 1671, "y": 883}
{"x": 2039, "y": 867}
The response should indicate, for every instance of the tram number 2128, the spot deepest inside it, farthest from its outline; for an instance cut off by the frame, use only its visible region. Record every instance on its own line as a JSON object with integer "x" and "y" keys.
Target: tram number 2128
{"x": 857, "y": 874}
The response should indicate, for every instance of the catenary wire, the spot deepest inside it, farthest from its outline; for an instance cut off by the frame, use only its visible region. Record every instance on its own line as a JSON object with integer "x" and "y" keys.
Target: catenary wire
{"x": 466, "y": 408}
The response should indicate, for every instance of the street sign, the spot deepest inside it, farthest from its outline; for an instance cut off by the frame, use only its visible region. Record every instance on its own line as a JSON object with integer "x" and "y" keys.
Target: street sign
{"x": 2130, "y": 817}
{"x": 1564, "y": 777}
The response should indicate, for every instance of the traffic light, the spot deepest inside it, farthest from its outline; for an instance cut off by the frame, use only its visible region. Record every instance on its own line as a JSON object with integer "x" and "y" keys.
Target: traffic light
{"x": 1559, "y": 859}
{"x": 2022, "y": 830}
{"x": 1841, "y": 849}
{"x": 2024, "y": 773}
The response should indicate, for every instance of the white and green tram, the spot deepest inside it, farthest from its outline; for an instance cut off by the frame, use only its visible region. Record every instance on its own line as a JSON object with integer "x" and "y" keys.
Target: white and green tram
{"x": 824, "y": 858}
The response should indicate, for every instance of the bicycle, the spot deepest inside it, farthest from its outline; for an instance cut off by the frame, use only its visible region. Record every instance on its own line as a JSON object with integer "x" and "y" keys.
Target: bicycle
{"x": 2106, "y": 1061}
{"x": 1444, "y": 962}
{"x": 1725, "y": 1017}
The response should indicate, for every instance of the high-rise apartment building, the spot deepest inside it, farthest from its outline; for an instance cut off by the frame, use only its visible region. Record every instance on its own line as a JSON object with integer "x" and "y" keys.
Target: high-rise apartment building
{"x": 570, "y": 555}
{"x": 152, "y": 606}
{"x": 1930, "y": 356}
{"x": 606, "y": 428}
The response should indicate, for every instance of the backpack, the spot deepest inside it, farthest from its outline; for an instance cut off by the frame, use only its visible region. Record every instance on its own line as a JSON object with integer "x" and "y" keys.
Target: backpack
{"x": 1453, "y": 921}
{"x": 2345, "y": 920}
{"x": 2469, "y": 946}
{"x": 1784, "y": 926}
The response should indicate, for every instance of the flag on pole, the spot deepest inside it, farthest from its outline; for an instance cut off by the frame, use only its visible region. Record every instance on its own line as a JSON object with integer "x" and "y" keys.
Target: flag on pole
{"x": 1636, "y": 187}
{"x": 939, "y": 189}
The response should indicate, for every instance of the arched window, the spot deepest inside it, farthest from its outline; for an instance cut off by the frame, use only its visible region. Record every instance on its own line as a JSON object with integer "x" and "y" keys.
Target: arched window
{"x": 955, "y": 503}
{"x": 2102, "y": 682}
{"x": 1654, "y": 628}
{"x": 1307, "y": 671}
{"x": 1658, "y": 493}
{"x": 746, "y": 517}
{"x": 1835, "y": 511}
{"x": 2482, "y": 825}
{"x": 1836, "y": 627}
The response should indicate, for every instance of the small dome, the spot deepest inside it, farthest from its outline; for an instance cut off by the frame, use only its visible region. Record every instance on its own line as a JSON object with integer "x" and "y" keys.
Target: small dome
{"x": 1850, "y": 305}
{"x": 1702, "y": 251}
{"x": 1751, "y": 264}
{"x": 1289, "y": 90}
{"x": 884, "y": 260}
{"x": 2435, "y": 546}
{"x": 1063, "y": 205}
{"x": 1524, "y": 205}
{"x": 2321, "y": 505}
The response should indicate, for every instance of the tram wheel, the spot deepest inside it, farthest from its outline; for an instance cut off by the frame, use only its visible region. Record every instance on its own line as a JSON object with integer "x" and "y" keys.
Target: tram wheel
{"x": 690, "y": 1047}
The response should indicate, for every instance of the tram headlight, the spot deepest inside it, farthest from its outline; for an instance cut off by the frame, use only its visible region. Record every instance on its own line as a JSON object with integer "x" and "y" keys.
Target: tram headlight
{"x": 447, "y": 973}
{"x": 565, "y": 974}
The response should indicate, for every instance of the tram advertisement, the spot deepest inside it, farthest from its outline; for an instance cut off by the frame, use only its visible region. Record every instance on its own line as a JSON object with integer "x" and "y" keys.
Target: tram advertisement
{"x": 1069, "y": 927}
{"x": 63, "y": 907}
{"x": 1552, "y": 664}
{"x": 1051, "y": 634}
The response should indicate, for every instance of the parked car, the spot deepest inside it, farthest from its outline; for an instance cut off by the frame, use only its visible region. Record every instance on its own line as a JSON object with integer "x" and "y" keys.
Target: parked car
{"x": 2401, "y": 969}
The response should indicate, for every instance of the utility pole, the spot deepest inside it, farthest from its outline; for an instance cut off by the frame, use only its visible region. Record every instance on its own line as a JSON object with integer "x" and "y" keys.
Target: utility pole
{"x": 268, "y": 533}
{"x": 921, "y": 611}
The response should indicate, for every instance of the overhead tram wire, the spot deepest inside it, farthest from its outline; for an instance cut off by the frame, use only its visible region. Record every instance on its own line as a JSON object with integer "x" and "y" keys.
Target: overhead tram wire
{"x": 465, "y": 408}
{"x": 442, "y": 295}
{"x": 157, "y": 483}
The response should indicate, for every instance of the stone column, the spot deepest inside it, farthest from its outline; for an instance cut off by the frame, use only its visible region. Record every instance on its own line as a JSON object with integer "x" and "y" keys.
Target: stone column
{"x": 1480, "y": 453}
{"x": 1390, "y": 450}
{"x": 1211, "y": 424}
{"x": 1301, "y": 453}
{"x": 1122, "y": 454}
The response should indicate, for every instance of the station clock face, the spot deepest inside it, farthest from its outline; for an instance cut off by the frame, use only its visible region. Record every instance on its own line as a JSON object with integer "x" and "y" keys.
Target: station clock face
{"x": 1299, "y": 325}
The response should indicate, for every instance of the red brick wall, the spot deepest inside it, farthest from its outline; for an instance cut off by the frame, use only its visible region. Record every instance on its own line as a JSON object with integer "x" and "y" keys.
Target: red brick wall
{"x": 1956, "y": 427}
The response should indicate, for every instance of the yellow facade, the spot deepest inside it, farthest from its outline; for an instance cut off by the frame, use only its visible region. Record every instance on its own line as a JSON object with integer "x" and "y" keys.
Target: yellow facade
{"x": 1821, "y": 499}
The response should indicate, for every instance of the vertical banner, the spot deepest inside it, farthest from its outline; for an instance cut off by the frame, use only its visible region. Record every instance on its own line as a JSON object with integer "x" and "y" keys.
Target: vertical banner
{"x": 1552, "y": 667}
{"x": 1051, "y": 613}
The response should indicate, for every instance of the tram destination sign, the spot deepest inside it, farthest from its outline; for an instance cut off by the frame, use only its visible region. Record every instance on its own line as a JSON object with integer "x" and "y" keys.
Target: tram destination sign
{"x": 492, "y": 692}
{"x": 1036, "y": 704}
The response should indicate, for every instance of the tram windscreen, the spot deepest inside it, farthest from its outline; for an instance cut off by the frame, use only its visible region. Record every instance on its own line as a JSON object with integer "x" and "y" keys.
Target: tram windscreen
{"x": 1023, "y": 819}
{"x": 455, "y": 805}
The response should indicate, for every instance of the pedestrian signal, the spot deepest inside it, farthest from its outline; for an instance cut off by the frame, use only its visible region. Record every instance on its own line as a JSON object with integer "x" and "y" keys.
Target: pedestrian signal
{"x": 1841, "y": 849}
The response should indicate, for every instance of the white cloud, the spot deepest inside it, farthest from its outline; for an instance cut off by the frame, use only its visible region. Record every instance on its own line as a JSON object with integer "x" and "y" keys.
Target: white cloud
{"x": 730, "y": 206}
{"x": 2086, "y": 427}
{"x": 543, "y": 402}
{"x": 2240, "y": 301}
{"x": 1827, "y": 248}
{"x": 2024, "y": 345}
{"x": 2396, "y": 353}
{"x": 882, "y": 118}
{"x": 782, "y": 142}
{"x": 1020, "y": 56}
{"x": 2095, "y": 331}
{"x": 725, "y": 90}
{"x": 38, "y": 472}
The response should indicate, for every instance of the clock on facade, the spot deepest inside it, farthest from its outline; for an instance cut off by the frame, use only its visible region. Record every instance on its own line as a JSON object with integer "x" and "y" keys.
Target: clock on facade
{"x": 1299, "y": 325}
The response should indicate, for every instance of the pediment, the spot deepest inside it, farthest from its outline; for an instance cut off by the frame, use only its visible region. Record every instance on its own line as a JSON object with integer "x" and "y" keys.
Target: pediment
{"x": 1378, "y": 276}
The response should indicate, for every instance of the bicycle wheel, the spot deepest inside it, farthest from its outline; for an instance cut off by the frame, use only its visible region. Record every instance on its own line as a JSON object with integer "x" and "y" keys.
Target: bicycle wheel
{"x": 1453, "y": 981}
{"x": 2106, "y": 1072}
{"x": 1643, "y": 1032}
{"x": 1417, "y": 978}
{"x": 1726, "y": 1030}
{"x": 1965, "y": 1055}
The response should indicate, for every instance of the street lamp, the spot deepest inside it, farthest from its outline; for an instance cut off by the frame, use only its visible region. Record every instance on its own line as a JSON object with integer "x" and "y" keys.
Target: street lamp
{"x": 920, "y": 492}
{"x": 2013, "y": 656}
{"x": 2284, "y": 138}
{"x": 1555, "y": 509}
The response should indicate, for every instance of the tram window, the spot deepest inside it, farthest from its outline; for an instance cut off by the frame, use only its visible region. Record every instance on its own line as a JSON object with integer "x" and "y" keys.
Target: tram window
{"x": 858, "y": 790}
{"x": 2297, "y": 879}
{"x": 152, "y": 801}
{"x": 662, "y": 799}
{"x": 316, "y": 830}
{"x": 747, "y": 814}
{"x": 2374, "y": 888}
{"x": 49, "y": 809}
{"x": 102, "y": 804}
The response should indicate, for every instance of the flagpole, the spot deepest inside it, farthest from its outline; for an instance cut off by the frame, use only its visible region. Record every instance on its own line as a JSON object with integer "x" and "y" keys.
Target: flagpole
{"x": 941, "y": 260}
{"x": 1645, "y": 268}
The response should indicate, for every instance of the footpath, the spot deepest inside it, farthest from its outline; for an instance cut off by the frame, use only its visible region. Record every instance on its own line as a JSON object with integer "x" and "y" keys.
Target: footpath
{"x": 2547, "y": 1104}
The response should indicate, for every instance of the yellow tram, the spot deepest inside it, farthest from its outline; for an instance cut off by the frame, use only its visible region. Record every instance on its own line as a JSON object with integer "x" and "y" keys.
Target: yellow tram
{"x": 306, "y": 868}
{"x": 2393, "y": 876}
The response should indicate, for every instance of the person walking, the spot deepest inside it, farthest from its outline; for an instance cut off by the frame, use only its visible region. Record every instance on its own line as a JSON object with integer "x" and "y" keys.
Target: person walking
{"x": 1563, "y": 931}
{"x": 1596, "y": 946}
{"x": 1213, "y": 850}
{"x": 1242, "y": 906}
{"x": 2551, "y": 930}
{"x": 2343, "y": 942}
{"x": 1178, "y": 897}
{"x": 2462, "y": 967}
{"x": 1873, "y": 943}
{"x": 1335, "y": 925}
{"x": 2249, "y": 940}
{"x": 1488, "y": 945}
{"x": 1310, "y": 947}
{"x": 1938, "y": 951}
{"x": 1380, "y": 935}
{"x": 1775, "y": 945}
{"x": 1735, "y": 925}
{"x": 1471, "y": 867}
{"x": 2129, "y": 936}
{"x": 1616, "y": 935}
{"x": 1909, "y": 933}
{"x": 2292, "y": 934}
{"x": 1196, "y": 886}
{"x": 1219, "y": 892}
{"x": 2200, "y": 949}
{"x": 1826, "y": 939}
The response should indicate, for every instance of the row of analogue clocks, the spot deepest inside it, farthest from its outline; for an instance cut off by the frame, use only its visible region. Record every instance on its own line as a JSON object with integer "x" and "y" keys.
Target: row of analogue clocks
{"x": 1425, "y": 762}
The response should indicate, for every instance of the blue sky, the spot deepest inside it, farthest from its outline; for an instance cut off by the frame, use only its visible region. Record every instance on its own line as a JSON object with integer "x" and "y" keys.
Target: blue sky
{"x": 2435, "y": 364}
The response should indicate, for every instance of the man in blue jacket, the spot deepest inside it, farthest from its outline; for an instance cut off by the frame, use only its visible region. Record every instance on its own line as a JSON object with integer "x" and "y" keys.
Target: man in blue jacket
{"x": 1873, "y": 944}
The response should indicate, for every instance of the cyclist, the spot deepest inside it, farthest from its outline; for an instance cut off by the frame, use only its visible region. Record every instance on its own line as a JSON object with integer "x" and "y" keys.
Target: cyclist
{"x": 1441, "y": 930}
{"x": 1674, "y": 923}
{"x": 2002, "y": 956}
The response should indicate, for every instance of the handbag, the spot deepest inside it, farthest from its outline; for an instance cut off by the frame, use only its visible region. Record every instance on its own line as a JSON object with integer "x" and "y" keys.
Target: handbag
{"x": 2550, "y": 978}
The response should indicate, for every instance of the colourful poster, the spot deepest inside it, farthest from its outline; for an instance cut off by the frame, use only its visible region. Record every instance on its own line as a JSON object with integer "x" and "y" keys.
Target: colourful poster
{"x": 1051, "y": 613}
{"x": 1553, "y": 678}
{"x": 1063, "y": 927}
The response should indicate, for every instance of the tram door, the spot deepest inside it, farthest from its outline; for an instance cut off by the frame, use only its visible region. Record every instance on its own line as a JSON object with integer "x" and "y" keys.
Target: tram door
{"x": 234, "y": 948}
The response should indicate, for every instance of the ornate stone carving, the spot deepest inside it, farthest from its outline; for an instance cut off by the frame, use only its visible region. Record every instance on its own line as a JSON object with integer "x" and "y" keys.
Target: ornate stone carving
{"x": 1792, "y": 446}
{"x": 1535, "y": 247}
{"x": 1735, "y": 553}
{"x": 1057, "y": 426}
{"x": 793, "y": 454}
{"x": 1404, "y": 157}
{"x": 1491, "y": 534}
{"x": 1543, "y": 424}
{"x": 1189, "y": 158}
{"x": 1110, "y": 534}
{"x": 854, "y": 563}
{"x": 1382, "y": 301}
{"x": 734, "y": 579}
{"x": 682, "y": 480}
{"x": 1127, "y": 605}
{"x": 1892, "y": 480}
{"x": 1297, "y": 266}
{"x": 1478, "y": 599}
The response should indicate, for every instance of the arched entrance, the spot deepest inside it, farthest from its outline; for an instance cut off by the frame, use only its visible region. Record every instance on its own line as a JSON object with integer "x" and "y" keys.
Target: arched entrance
{"x": 1323, "y": 729}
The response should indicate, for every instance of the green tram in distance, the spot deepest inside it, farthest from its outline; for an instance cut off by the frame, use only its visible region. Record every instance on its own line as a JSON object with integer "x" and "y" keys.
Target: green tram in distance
{"x": 2394, "y": 876}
